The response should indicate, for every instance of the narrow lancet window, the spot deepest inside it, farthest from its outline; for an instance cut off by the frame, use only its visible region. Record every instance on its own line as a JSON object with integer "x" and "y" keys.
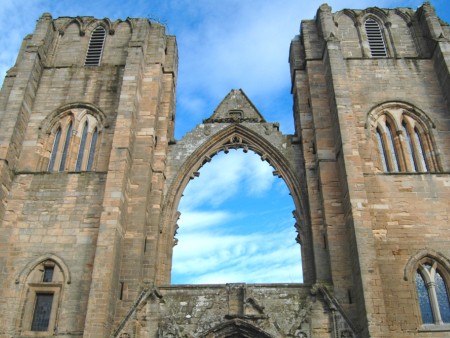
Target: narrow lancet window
{"x": 409, "y": 146}
{"x": 62, "y": 165}
{"x": 92, "y": 149}
{"x": 432, "y": 293}
{"x": 79, "y": 164}
{"x": 420, "y": 152}
{"x": 382, "y": 149}
{"x": 393, "y": 150}
{"x": 95, "y": 49}
{"x": 424, "y": 300}
{"x": 375, "y": 38}
{"x": 54, "y": 150}
{"x": 442, "y": 298}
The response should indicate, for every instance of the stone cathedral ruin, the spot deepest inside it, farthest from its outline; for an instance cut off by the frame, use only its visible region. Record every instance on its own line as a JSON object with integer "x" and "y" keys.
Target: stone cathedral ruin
{"x": 91, "y": 177}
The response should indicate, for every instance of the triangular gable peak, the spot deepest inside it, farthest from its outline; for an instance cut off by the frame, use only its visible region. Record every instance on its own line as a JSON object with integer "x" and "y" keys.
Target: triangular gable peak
{"x": 235, "y": 107}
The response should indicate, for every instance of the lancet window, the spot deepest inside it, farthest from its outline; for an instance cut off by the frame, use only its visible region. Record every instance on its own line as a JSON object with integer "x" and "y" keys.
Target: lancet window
{"x": 95, "y": 49}
{"x": 403, "y": 141}
{"x": 73, "y": 141}
{"x": 375, "y": 38}
{"x": 432, "y": 293}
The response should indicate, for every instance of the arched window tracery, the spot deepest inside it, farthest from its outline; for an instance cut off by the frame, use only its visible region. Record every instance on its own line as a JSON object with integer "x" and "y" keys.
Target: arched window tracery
{"x": 72, "y": 143}
{"x": 432, "y": 292}
{"x": 402, "y": 140}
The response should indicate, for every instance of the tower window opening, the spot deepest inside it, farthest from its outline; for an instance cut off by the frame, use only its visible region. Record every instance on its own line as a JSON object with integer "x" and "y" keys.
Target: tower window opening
{"x": 82, "y": 146}
{"x": 74, "y": 142}
{"x": 375, "y": 38}
{"x": 62, "y": 165}
{"x": 420, "y": 152}
{"x": 409, "y": 147}
{"x": 95, "y": 49}
{"x": 382, "y": 150}
{"x": 92, "y": 150}
{"x": 432, "y": 294}
{"x": 54, "y": 149}
{"x": 393, "y": 150}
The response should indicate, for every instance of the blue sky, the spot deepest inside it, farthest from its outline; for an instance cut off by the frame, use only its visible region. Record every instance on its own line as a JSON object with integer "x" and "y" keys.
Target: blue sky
{"x": 223, "y": 45}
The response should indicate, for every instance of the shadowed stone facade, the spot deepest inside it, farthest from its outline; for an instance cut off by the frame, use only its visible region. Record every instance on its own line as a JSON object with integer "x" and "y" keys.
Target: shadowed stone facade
{"x": 91, "y": 178}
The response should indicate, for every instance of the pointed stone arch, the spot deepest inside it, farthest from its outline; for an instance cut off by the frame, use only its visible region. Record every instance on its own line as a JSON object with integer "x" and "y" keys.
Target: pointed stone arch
{"x": 236, "y": 328}
{"x": 248, "y": 136}
{"x": 23, "y": 274}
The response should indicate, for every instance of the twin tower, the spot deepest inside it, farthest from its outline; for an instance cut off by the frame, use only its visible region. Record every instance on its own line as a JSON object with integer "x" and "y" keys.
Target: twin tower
{"x": 91, "y": 178}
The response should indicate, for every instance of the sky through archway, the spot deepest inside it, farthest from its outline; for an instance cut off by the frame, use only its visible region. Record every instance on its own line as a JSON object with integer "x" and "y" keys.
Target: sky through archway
{"x": 236, "y": 225}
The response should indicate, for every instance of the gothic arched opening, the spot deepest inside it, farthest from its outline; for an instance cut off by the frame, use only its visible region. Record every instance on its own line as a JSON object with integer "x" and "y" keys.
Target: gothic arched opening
{"x": 203, "y": 144}
{"x": 236, "y": 225}
{"x": 236, "y": 328}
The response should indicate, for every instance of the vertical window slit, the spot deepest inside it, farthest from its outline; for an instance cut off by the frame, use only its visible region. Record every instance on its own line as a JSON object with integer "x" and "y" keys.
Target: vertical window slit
{"x": 92, "y": 149}
{"x": 409, "y": 147}
{"x": 393, "y": 150}
{"x": 442, "y": 297}
{"x": 419, "y": 147}
{"x": 54, "y": 149}
{"x": 382, "y": 150}
{"x": 62, "y": 165}
{"x": 82, "y": 146}
{"x": 121, "y": 290}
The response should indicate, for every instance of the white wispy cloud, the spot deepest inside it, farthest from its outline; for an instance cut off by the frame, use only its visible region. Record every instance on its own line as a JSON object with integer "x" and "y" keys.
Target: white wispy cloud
{"x": 197, "y": 220}
{"x": 225, "y": 175}
{"x": 249, "y": 258}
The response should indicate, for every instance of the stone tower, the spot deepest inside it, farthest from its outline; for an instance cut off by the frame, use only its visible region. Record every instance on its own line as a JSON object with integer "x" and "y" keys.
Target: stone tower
{"x": 371, "y": 106}
{"x": 92, "y": 177}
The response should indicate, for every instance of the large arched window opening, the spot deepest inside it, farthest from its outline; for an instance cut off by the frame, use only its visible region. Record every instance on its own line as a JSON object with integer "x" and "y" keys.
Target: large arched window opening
{"x": 72, "y": 140}
{"x": 403, "y": 138}
{"x": 236, "y": 225}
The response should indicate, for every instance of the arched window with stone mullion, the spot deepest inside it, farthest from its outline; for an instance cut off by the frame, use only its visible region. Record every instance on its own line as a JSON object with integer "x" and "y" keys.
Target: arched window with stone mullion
{"x": 432, "y": 293}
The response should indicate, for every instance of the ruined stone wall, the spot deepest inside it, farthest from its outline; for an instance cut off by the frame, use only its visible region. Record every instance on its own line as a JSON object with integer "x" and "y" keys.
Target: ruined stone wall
{"x": 257, "y": 310}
